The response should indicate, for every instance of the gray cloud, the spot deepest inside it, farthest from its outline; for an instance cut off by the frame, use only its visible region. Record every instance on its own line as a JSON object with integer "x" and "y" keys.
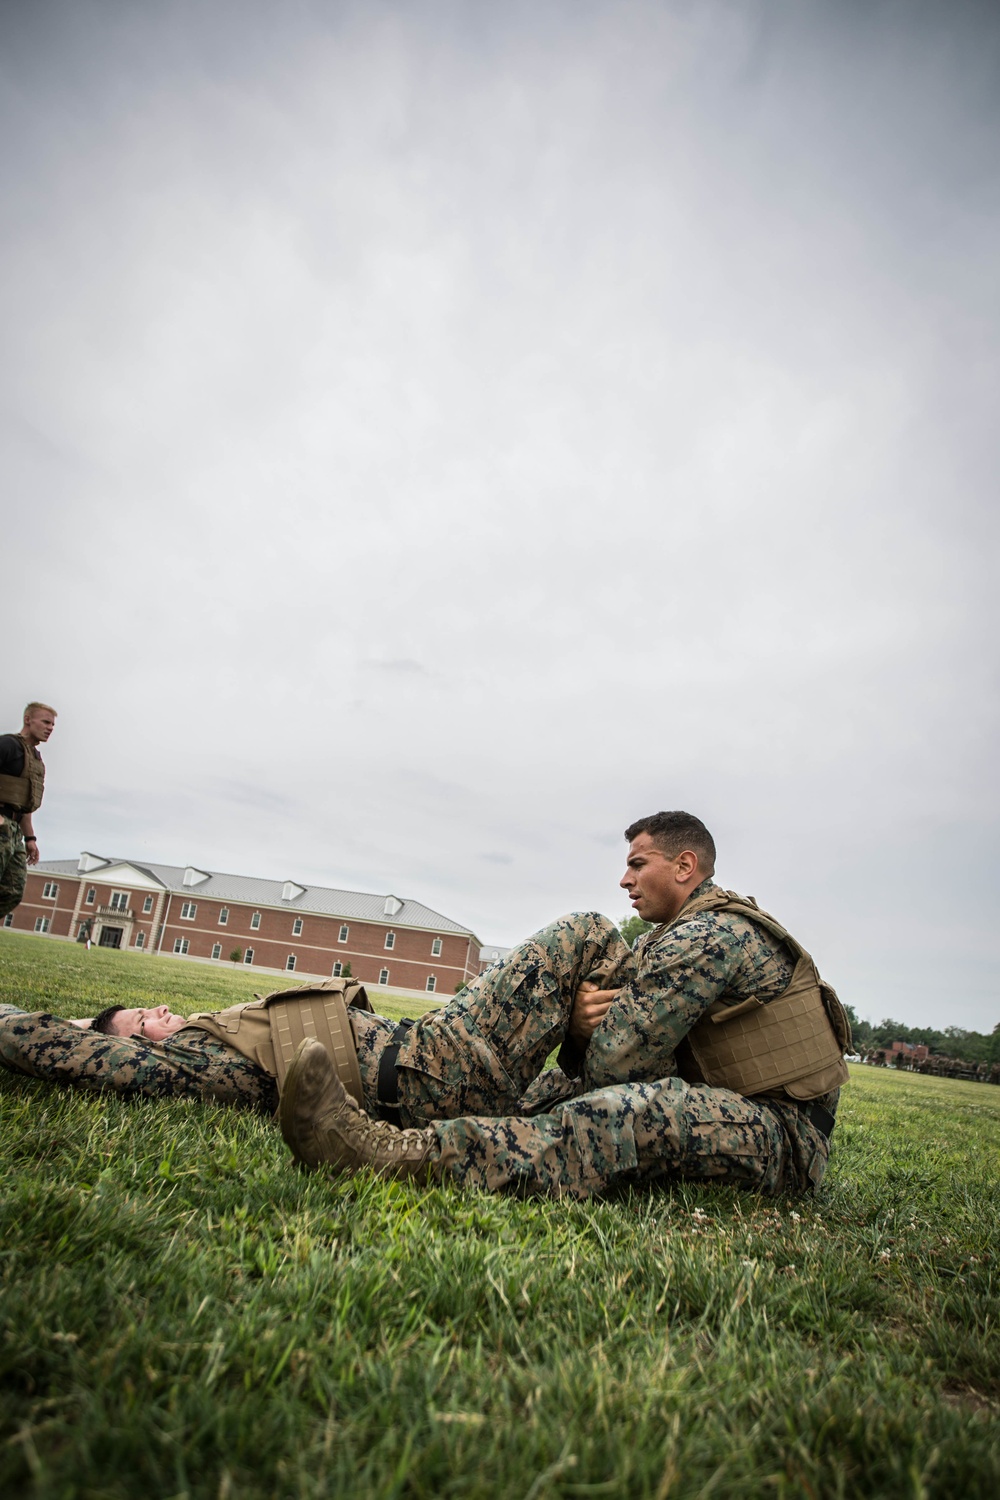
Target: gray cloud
{"x": 403, "y": 665}
{"x": 476, "y": 426}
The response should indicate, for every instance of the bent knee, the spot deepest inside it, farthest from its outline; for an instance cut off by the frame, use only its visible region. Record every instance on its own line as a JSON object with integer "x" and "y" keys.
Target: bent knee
{"x": 589, "y": 923}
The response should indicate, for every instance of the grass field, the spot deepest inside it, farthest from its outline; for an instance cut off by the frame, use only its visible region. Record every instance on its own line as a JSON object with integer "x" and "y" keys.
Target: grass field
{"x": 184, "y": 1315}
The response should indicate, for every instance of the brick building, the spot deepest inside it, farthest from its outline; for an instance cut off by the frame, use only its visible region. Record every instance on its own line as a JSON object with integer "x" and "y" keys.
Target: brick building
{"x": 196, "y": 913}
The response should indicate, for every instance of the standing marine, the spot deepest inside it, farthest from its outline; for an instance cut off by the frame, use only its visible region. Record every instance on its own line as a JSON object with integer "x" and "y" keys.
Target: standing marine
{"x": 22, "y": 782}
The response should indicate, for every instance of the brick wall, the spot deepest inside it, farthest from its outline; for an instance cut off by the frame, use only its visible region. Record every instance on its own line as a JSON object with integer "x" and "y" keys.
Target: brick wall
{"x": 35, "y": 906}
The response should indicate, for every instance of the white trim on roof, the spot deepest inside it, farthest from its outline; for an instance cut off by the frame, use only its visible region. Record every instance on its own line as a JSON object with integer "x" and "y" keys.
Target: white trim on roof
{"x": 120, "y": 872}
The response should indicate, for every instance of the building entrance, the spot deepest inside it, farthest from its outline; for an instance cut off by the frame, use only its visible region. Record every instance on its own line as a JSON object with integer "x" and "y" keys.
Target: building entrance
{"x": 111, "y": 937}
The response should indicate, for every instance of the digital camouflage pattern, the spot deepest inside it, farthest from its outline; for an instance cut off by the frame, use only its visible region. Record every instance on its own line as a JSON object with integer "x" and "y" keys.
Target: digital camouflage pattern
{"x": 636, "y": 1133}
{"x": 478, "y": 1054}
{"x": 13, "y": 865}
{"x": 372, "y": 1034}
{"x": 675, "y": 974}
{"x": 189, "y": 1064}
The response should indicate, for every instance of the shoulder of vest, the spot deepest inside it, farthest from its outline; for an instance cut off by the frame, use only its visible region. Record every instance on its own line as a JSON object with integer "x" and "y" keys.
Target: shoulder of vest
{"x": 715, "y": 901}
{"x": 730, "y": 903}
{"x": 31, "y": 752}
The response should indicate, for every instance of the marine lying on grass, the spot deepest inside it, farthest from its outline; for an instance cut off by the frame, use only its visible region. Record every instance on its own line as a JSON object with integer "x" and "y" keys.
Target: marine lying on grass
{"x": 712, "y": 1051}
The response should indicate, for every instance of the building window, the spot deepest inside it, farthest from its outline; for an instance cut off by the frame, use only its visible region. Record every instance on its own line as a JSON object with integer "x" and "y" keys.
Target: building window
{"x": 140, "y": 940}
{"x": 255, "y": 921}
{"x": 216, "y": 950}
{"x": 147, "y": 905}
{"x": 431, "y": 984}
{"x": 436, "y": 948}
{"x": 41, "y": 924}
{"x": 390, "y": 940}
{"x": 119, "y": 900}
{"x": 248, "y": 956}
{"x": 91, "y": 896}
{"x": 342, "y": 938}
{"x": 223, "y": 916}
{"x": 296, "y": 927}
{"x": 8, "y": 920}
{"x": 290, "y": 962}
{"x": 50, "y": 891}
{"x": 338, "y": 969}
{"x": 180, "y": 945}
{"x": 383, "y": 976}
{"x": 189, "y": 911}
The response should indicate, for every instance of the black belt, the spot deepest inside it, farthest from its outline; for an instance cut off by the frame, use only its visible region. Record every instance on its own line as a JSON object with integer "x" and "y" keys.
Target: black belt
{"x": 388, "y": 1079}
{"x": 9, "y": 810}
{"x": 820, "y": 1117}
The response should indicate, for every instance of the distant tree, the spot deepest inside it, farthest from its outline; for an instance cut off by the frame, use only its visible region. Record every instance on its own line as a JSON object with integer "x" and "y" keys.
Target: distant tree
{"x": 632, "y": 928}
{"x": 861, "y": 1031}
{"x": 345, "y": 972}
{"x": 236, "y": 957}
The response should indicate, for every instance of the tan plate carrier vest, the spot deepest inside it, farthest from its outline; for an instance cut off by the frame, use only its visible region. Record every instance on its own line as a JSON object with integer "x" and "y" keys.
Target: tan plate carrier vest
{"x": 25, "y": 791}
{"x": 793, "y": 1044}
{"x": 269, "y": 1028}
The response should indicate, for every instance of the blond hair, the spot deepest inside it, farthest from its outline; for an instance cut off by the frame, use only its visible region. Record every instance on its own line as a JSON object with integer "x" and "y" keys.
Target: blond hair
{"x": 29, "y": 710}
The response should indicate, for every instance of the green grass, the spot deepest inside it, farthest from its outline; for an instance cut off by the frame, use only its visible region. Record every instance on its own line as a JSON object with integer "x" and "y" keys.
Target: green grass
{"x": 38, "y": 973}
{"x": 183, "y": 1314}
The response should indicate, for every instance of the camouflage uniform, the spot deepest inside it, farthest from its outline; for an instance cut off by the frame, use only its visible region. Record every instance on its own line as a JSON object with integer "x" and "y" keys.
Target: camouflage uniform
{"x": 13, "y": 864}
{"x": 480, "y": 1053}
{"x": 635, "y": 1133}
{"x": 189, "y": 1064}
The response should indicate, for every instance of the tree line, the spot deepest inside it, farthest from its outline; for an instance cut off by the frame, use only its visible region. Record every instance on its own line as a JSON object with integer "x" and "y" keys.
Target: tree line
{"x": 953, "y": 1041}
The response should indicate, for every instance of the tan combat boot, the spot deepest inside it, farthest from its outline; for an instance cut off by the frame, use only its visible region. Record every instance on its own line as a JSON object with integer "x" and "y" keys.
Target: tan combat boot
{"x": 321, "y": 1123}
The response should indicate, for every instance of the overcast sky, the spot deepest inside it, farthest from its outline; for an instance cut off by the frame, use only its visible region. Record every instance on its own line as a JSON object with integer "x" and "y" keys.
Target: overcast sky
{"x": 436, "y": 434}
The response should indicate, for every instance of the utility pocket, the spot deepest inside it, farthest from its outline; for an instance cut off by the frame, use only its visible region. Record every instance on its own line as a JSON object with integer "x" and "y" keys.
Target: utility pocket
{"x": 729, "y": 1137}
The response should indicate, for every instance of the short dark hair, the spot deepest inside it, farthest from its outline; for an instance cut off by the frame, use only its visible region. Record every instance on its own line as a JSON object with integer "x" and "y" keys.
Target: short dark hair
{"x": 674, "y": 831}
{"x": 102, "y": 1021}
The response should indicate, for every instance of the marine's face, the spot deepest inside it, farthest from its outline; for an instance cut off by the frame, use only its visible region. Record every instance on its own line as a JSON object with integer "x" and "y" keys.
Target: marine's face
{"x": 658, "y": 884}
{"x": 151, "y": 1023}
{"x": 40, "y": 724}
